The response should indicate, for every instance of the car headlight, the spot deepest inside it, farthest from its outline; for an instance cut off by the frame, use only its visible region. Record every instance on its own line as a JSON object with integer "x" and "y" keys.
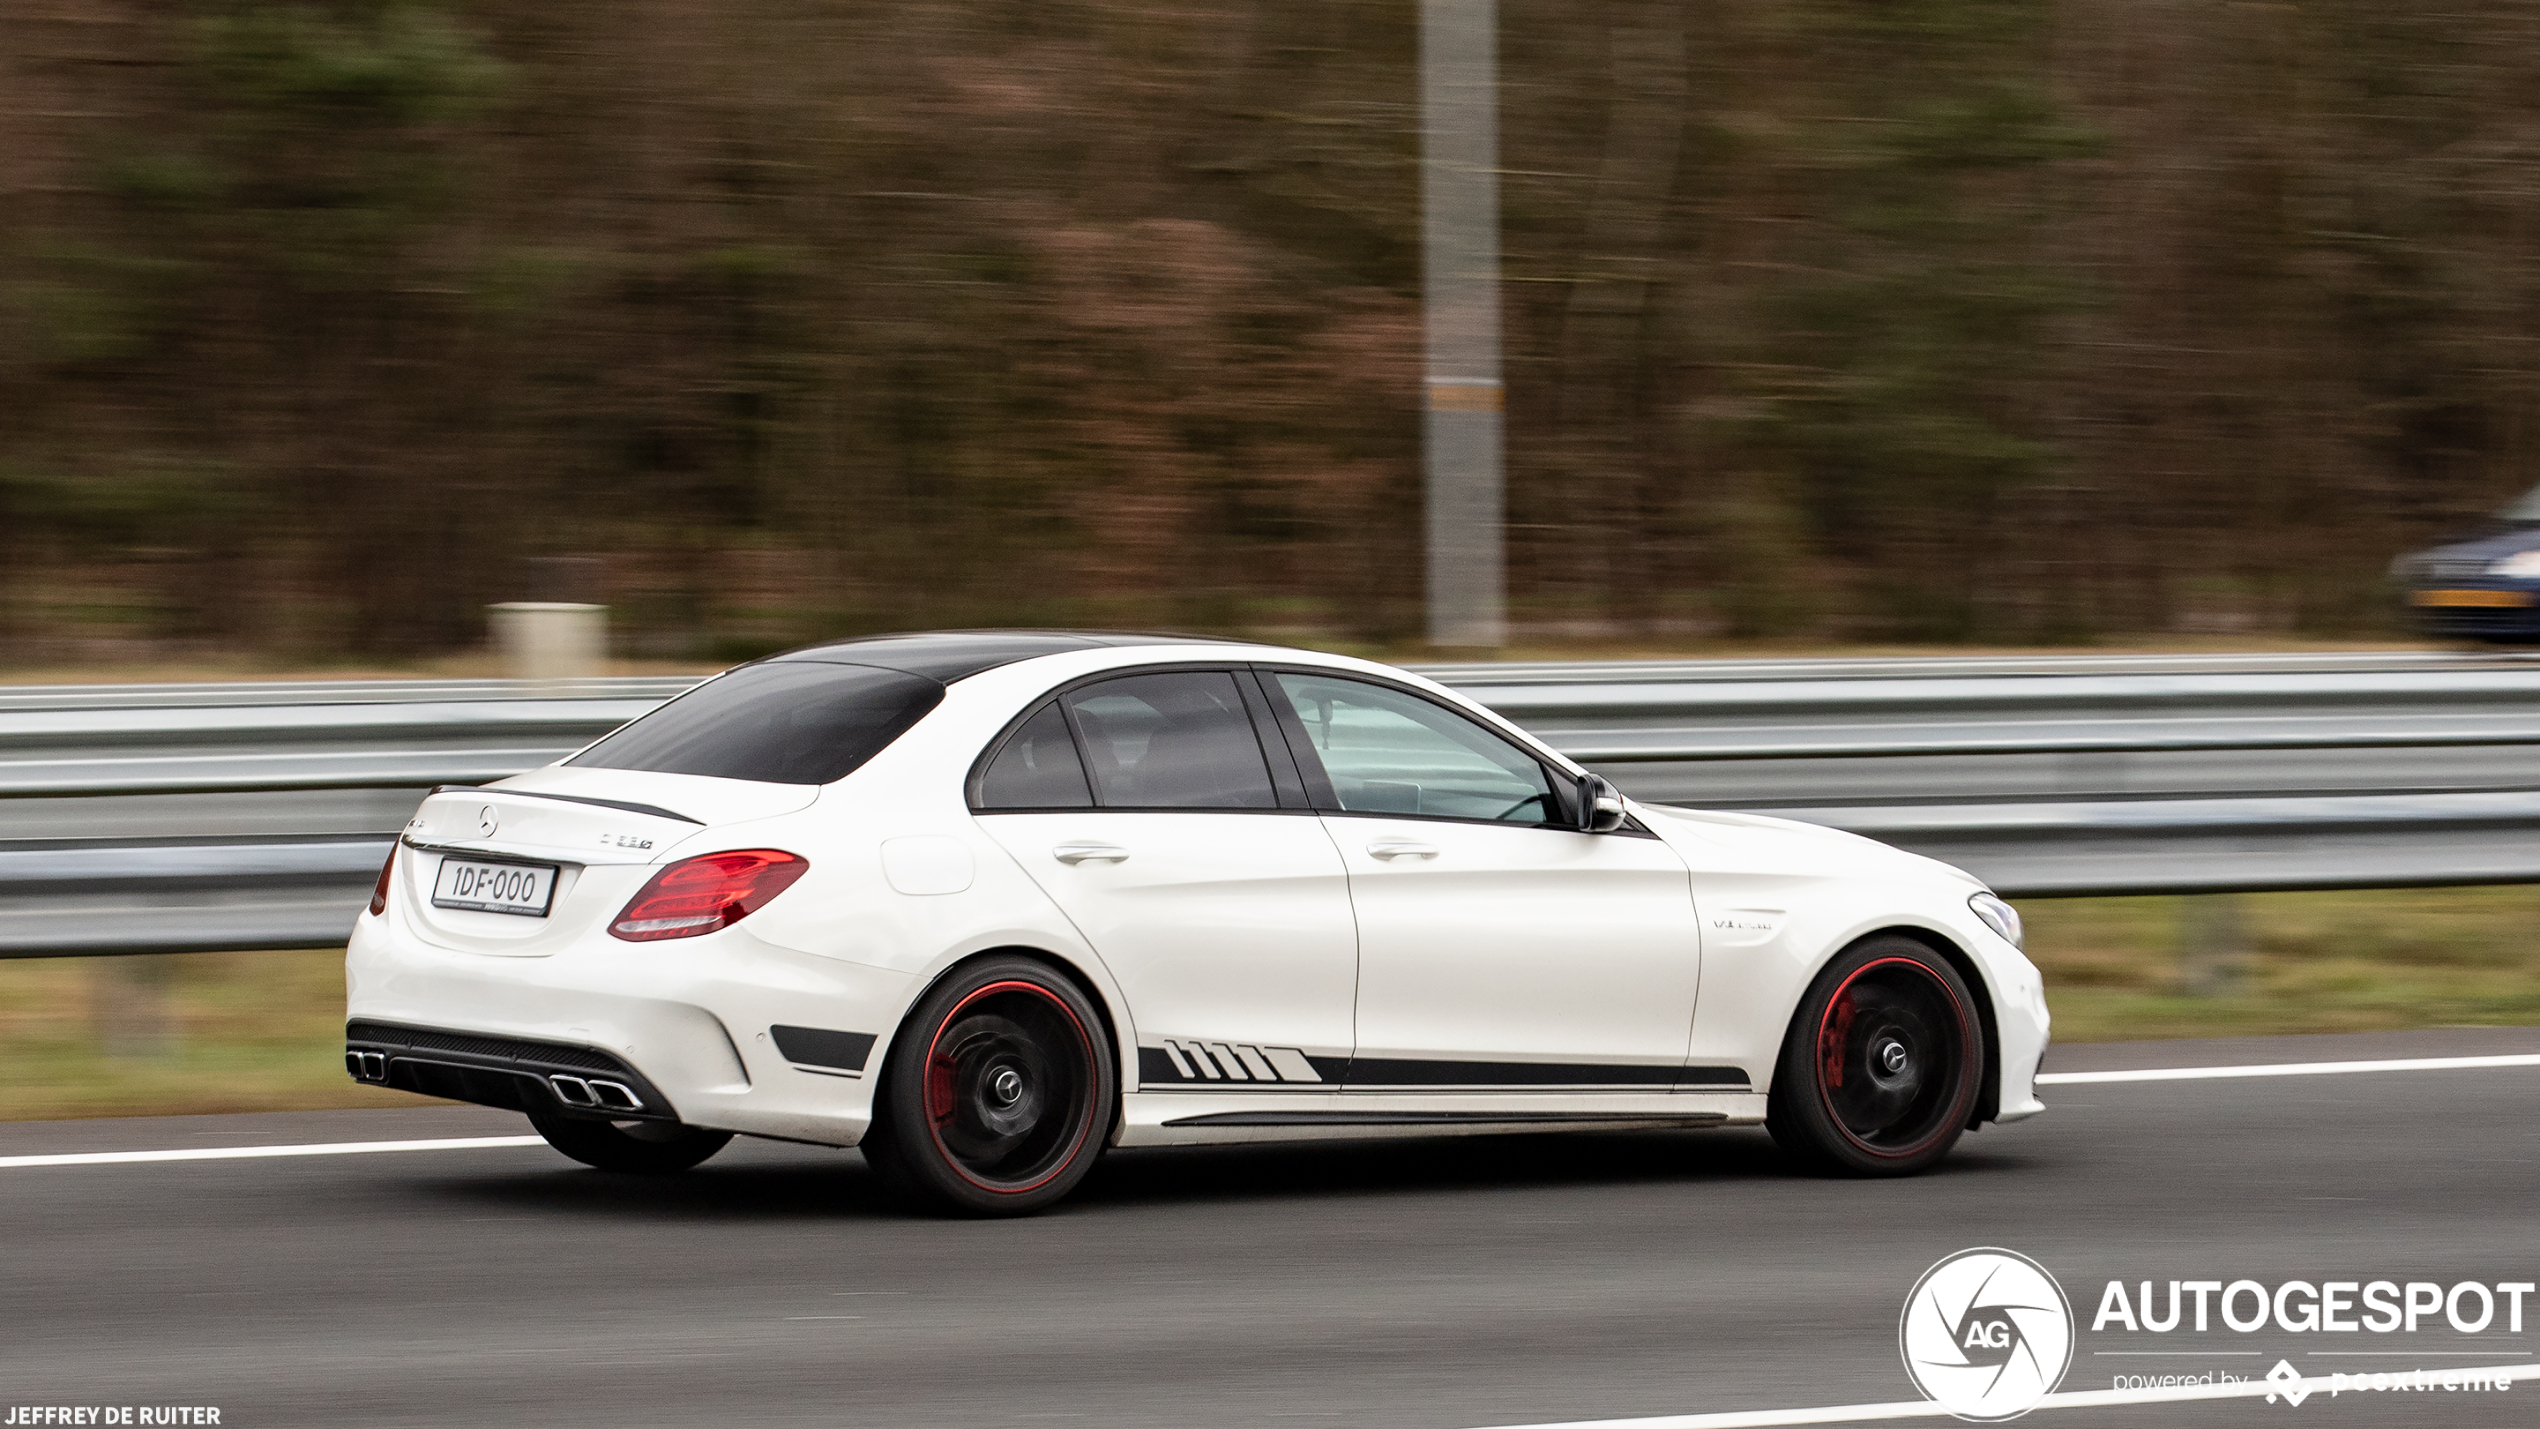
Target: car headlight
{"x": 2520, "y": 566}
{"x": 2001, "y": 917}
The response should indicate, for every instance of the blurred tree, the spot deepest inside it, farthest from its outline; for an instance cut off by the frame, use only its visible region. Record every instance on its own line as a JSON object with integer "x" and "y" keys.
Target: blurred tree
{"x": 1928, "y": 319}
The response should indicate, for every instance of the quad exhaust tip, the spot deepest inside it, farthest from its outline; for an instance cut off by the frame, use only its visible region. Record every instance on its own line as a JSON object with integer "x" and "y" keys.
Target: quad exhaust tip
{"x": 367, "y": 1066}
{"x": 595, "y": 1094}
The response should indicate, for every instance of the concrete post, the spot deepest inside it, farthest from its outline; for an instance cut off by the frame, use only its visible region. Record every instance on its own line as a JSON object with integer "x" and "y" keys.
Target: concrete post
{"x": 551, "y": 639}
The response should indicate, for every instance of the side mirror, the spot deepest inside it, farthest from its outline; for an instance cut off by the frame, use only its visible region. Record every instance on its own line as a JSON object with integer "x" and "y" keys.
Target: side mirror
{"x": 1600, "y": 806}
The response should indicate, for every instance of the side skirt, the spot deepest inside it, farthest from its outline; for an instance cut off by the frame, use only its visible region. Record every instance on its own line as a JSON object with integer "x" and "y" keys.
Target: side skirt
{"x": 1446, "y": 1118}
{"x": 1191, "y": 1119}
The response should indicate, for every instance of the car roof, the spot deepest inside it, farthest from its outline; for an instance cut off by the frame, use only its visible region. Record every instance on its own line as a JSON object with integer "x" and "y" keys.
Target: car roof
{"x": 949, "y": 655}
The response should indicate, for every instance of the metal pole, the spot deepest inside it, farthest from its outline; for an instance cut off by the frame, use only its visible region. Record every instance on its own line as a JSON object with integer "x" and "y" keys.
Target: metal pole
{"x": 2213, "y": 945}
{"x": 1459, "y": 234}
{"x": 128, "y": 1006}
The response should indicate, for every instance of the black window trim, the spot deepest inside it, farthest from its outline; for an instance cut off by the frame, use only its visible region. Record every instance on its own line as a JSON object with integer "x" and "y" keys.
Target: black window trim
{"x": 1293, "y": 742}
{"x": 972, "y": 787}
{"x": 1287, "y": 772}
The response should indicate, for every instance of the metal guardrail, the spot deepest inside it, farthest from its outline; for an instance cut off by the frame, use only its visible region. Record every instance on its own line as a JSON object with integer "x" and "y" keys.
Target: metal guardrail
{"x": 201, "y": 817}
{"x": 198, "y": 818}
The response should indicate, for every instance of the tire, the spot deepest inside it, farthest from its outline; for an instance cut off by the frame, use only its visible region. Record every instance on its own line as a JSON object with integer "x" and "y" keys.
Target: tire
{"x": 997, "y": 1094}
{"x": 638, "y": 1147}
{"x": 1880, "y": 1070}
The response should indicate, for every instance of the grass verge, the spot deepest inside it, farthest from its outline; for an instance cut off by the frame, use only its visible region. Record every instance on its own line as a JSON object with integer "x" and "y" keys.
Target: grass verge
{"x": 243, "y": 1032}
{"x": 2308, "y": 962}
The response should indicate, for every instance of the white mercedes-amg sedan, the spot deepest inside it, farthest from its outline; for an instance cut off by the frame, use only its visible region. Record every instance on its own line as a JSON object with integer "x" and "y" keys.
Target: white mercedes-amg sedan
{"x": 986, "y": 903}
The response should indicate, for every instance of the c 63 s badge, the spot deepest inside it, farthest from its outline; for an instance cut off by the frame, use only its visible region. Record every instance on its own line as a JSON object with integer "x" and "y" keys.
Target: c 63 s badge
{"x": 1986, "y": 1334}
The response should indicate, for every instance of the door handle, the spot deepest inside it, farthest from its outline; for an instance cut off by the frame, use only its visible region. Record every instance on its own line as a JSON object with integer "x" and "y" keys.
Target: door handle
{"x": 1089, "y": 853}
{"x": 1401, "y": 848}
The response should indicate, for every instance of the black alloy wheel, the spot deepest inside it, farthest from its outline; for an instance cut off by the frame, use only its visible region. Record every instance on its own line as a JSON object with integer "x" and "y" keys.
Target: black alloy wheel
{"x": 641, "y": 1147}
{"x": 1880, "y": 1070}
{"x": 998, "y": 1092}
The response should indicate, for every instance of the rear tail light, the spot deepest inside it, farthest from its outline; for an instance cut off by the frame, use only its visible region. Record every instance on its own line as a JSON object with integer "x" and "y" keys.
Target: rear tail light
{"x": 379, "y": 894}
{"x": 702, "y": 894}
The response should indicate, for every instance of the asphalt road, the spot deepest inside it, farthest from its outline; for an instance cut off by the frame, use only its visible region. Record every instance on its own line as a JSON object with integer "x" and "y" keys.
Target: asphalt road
{"x": 1434, "y": 1285}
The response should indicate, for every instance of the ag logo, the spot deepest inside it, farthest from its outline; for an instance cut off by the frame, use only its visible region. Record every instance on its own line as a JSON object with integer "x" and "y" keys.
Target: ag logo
{"x": 1987, "y": 1334}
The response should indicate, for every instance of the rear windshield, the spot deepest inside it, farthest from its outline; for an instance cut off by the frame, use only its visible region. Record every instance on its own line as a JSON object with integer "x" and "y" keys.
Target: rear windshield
{"x": 785, "y": 723}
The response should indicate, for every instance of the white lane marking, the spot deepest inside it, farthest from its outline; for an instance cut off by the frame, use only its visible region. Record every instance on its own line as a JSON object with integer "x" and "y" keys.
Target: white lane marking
{"x": 2288, "y": 1069}
{"x": 2066, "y": 1399}
{"x": 250, "y": 1153}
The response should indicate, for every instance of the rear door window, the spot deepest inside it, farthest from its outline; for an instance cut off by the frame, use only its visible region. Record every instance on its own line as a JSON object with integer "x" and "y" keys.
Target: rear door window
{"x": 789, "y": 723}
{"x": 1178, "y": 740}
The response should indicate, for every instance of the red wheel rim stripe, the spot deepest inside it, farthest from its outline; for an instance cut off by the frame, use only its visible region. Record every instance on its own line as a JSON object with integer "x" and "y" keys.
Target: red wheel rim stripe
{"x": 938, "y": 1094}
{"x": 1965, "y": 1040}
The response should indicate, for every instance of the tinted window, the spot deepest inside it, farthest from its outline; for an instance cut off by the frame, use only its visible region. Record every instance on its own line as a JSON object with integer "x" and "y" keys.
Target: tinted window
{"x": 1037, "y": 768}
{"x": 781, "y": 724}
{"x": 1392, "y": 753}
{"x": 1177, "y": 741}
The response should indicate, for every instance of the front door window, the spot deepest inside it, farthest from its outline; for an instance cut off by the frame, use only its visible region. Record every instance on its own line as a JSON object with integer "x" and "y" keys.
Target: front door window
{"x": 1387, "y": 752}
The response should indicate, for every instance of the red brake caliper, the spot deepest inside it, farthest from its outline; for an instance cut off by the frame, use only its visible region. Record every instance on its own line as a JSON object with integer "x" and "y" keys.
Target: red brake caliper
{"x": 939, "y": 1089}
{"x": 1831, "y": 1035}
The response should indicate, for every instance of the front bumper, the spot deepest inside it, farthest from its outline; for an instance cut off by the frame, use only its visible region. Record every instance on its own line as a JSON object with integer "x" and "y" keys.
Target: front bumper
{"x": 2023, "y": 1027}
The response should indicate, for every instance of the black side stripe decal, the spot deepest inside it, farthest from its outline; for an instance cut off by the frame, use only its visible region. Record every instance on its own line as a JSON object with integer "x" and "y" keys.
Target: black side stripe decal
{"x": 1725, "y": 1078}
{"x": 1191, "y": 1062}
{"x": 1404, "y": 1072}
{"x": 1187, "y": 1063}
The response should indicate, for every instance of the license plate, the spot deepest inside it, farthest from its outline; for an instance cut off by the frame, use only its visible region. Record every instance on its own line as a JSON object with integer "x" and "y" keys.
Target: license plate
{"x": 484, "y": 887}
{"x": 2506, "y": 599}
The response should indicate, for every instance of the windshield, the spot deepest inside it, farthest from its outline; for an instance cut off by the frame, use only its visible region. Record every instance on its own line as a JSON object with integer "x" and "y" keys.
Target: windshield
{"x": 791, "y": 723}
{"x": 2525, "y": 511}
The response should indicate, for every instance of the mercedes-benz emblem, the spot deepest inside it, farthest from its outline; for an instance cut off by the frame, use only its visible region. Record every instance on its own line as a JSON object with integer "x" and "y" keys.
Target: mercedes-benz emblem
{"x": 486, "y": 822}
{"x": 1006, "y": 1086}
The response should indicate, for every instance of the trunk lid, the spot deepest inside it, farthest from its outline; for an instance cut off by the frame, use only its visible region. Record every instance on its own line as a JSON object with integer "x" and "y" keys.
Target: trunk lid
{"x": 601, "y": 831}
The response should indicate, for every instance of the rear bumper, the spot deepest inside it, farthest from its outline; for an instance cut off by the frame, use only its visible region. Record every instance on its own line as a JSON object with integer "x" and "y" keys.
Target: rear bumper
{"x": 689, "y": 1028}
{"x": 2500, "y": 624}
{"x": 544, "y": 1078}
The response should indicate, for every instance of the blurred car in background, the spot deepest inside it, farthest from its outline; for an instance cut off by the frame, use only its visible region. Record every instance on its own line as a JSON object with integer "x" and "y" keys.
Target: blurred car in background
{"x": 2486, "y": 588}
